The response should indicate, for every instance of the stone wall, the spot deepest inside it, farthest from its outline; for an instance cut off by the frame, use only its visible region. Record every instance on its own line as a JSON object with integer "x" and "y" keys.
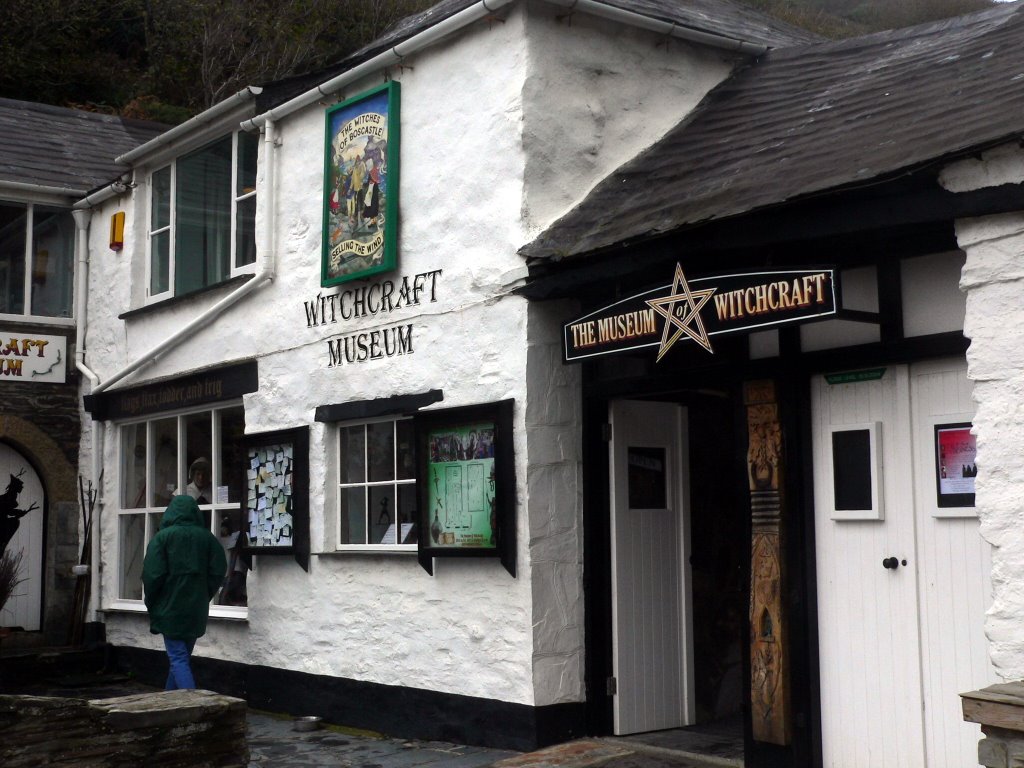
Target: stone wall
{"x": 173, "y": 729}
{"x": 993, "y": 278}
{"x": 41, "y": 421}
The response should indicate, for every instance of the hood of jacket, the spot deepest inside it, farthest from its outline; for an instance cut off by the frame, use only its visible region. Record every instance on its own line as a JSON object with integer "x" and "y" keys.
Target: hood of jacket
{"x": 183, "y": 510}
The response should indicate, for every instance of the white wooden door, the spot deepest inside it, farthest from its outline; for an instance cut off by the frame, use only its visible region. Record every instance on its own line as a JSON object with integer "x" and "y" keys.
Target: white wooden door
{"x": 954, "y": 566}
{"x": 898, "y": 643}
{"x": 651, "y": 635}
{"x": 23, "y": 488}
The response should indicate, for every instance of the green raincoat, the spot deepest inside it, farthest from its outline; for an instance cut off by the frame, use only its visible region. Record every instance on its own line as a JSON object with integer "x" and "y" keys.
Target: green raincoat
{"x": 183, "y": 569}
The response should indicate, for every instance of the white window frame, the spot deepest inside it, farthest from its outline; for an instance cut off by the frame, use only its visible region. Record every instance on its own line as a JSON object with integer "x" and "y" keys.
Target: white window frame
{"x": 237, "y": 269}
{"x": 236, "y": 198}
{"x": 26, "y": 316}
{"x": 342, "y": 487}
{"x": 129, "y": 604}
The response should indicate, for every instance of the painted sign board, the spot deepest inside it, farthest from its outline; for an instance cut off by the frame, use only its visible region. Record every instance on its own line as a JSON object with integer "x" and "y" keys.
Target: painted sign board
{"x": 361, "y": 186}
{"x": 697, "y": 310}
{"x": 33, "y": 358}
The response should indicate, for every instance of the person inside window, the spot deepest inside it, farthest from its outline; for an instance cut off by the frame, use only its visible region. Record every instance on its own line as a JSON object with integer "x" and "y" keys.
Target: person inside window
{"x": 199, "y": 481}
{"x": 233, "y": 591}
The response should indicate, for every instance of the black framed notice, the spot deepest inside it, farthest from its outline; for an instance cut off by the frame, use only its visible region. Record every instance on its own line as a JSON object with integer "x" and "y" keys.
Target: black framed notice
{"x": 955, "y": 465}
{"x": 466, "y": 483}
{"x": 276, "y": 493}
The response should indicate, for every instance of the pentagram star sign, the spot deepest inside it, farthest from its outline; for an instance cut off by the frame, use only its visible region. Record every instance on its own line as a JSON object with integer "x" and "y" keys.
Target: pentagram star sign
{"x": 681, "y": 310}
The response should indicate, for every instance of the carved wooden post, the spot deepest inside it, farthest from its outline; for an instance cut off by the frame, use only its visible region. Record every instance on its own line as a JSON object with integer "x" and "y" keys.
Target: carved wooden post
{"x": 769, "y": 662}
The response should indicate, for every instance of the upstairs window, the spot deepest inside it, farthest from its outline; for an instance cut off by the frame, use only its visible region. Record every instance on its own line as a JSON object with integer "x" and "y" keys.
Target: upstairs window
{"x": 37, "y": 268}
{"x": 202, "y": 217}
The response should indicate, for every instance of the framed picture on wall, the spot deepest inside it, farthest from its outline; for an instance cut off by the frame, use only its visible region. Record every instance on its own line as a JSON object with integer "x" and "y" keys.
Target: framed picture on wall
{"x": 276, "y": 494}
{"x": 465, "y": 482}
{"x": 955, "y": 468}
{"x": 360, "y": 218}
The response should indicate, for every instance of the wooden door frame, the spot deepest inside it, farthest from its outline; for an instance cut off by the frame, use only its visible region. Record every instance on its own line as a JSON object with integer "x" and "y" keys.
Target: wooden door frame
{"x": 793, "y": 391}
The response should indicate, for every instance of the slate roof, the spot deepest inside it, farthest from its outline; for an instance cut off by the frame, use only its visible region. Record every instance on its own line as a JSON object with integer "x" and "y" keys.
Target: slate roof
{"x": 729, "y": 19}
{"x": 65, "y": 148}
{"x": 808, "y": 119}
{"x": 720, "y": 17}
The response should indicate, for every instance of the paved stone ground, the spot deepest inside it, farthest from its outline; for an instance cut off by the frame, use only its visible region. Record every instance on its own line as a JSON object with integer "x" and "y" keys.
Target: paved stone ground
{"x": 274, "y": 742}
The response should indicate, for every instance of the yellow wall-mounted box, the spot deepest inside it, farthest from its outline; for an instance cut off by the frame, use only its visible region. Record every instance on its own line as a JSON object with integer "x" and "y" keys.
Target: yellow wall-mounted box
{"x": 117, "y": 231}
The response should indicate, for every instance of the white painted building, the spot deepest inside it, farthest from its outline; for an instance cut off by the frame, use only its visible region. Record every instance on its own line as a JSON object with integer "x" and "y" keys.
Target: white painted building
{"x": 683, "y": 538}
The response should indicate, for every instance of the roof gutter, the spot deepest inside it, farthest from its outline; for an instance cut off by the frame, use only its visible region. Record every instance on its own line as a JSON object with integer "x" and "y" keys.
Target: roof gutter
{"x": 101, "y": 195}
{"x": 244, "y": 96}
{"x": 39, "y": 189}
{"x": 669, "y": 28}
{"x": 474, "y": 13}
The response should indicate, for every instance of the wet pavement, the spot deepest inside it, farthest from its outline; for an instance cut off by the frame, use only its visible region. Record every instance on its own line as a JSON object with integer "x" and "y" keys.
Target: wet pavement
{"x": 274, "y": 740}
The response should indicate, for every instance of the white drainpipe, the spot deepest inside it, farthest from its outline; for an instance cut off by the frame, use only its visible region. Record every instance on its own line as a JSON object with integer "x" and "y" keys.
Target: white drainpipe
{"x": 264, "y": 274}
{"x": 82, "y": 218}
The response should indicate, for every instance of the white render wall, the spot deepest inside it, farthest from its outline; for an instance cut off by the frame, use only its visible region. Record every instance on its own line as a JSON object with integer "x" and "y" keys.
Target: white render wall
{"x": 993, "y": 278}
{"x": 466, "y": 207}
{"x": 596, "y": 95}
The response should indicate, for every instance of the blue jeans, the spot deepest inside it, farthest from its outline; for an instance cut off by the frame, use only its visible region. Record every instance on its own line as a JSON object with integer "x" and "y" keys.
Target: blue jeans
{"x": 179, "y": 652}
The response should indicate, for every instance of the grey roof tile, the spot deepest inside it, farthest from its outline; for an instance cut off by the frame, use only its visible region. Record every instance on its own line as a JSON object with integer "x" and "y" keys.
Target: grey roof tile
{"x": 804, "y": 120}
{"x": 65, "y": 148}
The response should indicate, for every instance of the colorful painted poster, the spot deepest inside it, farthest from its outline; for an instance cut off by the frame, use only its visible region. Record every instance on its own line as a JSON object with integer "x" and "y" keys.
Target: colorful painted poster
{"x": 461, "y": 486}
{"x": 957, "y": 465}
{"x": 361, "y": 186}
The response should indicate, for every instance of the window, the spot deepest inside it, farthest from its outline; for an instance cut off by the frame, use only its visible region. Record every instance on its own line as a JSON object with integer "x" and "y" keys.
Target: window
{"x": 202, "y": 216}
{"x": 37, "y": 245}
{"x": 377, "y": 486}
{"x": 196, "y": 453}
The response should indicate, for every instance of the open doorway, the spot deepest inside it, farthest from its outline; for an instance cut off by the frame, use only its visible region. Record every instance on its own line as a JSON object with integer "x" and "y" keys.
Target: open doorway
{"x": 680, "y": 548}
{"x": 719, "y": 561}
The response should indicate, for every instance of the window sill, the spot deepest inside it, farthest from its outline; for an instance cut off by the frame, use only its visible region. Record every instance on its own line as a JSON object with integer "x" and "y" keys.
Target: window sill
{"x": 370, "y": 549}
{"x": 35, "y": 320}
{"x": 217, "y": 612}
{"x": 231, "y": 282}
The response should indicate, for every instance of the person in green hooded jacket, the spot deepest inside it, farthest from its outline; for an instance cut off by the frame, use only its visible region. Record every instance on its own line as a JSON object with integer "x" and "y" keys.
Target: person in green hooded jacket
{"x": 183, "y": 569}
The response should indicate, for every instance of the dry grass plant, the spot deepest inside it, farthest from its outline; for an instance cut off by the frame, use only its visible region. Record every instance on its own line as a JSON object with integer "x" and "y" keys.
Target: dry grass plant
{"x": 10, "y": 564}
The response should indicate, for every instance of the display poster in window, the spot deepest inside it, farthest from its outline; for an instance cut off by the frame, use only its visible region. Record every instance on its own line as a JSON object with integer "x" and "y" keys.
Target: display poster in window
{"x": 461, "y": 484}
{"x": 361, "y": 186}
{"x": 276, "y": 493}
{"x": 466, "y": 483}
{"x": 955, "y": 464}
{"x": 269, "y": 506}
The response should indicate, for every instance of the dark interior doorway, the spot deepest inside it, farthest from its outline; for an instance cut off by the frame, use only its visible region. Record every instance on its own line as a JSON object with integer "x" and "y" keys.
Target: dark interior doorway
{"x": 719, "y": 553}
